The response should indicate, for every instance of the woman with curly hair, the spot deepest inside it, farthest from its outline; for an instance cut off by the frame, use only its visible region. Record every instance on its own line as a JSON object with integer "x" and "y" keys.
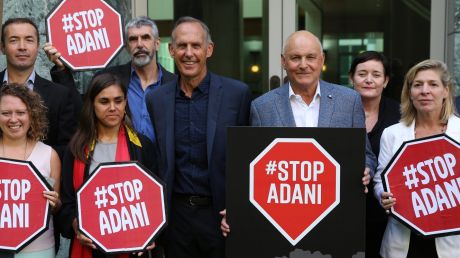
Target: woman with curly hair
{"x": 23, "y": 126}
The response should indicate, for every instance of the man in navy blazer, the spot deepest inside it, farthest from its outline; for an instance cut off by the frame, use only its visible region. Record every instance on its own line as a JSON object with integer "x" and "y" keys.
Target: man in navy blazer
{"x": 190, "y": 116}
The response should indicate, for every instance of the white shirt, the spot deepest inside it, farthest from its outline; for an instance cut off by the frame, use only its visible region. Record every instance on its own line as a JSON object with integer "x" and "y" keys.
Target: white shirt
{"x": 305, "y": 115}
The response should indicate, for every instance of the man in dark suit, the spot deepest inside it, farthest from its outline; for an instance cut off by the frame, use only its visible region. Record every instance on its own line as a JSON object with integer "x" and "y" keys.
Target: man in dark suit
{"x": 20, "y": 44}
{"x": 141, "y": 75}
{"x": 190, "y": 117}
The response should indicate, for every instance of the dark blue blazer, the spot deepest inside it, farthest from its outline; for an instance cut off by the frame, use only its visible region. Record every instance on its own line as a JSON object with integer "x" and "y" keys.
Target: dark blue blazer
{"x": 228, "y": 105}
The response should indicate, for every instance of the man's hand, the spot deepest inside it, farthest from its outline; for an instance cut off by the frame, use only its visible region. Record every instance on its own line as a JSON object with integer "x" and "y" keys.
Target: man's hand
{"x": 223, "y": 223}
{"x": 366, "y": 179}
{"x": 53, "y": 55}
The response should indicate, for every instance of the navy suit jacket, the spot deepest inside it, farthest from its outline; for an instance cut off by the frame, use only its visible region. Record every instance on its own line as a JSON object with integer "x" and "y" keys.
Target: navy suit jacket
{"x": 228, "y": 105}
{"x": 339, "y": 107}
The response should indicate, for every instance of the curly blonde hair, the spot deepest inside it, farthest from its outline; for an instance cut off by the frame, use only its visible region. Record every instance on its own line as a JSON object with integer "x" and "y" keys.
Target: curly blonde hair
{"x": 35, "y": 107}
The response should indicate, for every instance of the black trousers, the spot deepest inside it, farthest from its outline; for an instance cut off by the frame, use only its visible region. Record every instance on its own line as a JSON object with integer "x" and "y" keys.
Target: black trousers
{"x": 193, "y": 231}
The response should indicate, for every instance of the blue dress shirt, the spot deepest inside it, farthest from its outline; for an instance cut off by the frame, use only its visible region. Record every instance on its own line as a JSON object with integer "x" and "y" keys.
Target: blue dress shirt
{"x": 136, "y": 103}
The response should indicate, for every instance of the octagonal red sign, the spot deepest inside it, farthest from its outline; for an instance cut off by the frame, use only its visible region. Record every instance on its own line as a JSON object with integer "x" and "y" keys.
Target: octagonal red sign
{"x": 121, "y": 207}
{"x": 24, "y": 212}
{"x": 88, "y": 34}
{"x": 424, "y": 177}
{"x": 294, "y": 183}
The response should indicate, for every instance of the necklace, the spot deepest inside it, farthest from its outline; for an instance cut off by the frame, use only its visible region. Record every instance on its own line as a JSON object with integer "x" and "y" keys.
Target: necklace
{"x": 440, "y": 130}
{"x": 25, "y": 150}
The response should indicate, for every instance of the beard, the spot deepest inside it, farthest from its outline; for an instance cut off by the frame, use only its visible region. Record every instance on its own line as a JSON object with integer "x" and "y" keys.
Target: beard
{"x": 143, "y": 60}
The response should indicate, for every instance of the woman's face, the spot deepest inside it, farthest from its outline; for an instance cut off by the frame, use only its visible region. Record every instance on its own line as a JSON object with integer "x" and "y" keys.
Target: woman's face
{"x": 14, "y": 117}
{"x": 369, "y": 79}
{"x": 427, "y": 92}
{"x": 109, "y": 106}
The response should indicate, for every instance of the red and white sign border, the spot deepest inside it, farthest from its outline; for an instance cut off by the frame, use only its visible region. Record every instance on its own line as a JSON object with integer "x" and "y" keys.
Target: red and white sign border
{"x": 386, "y": 186}
{"x": 151, "y": 177}
{"x": 266, "y": 215}
{"x": 46, "y": 185}
{"x": 89, "y": 67}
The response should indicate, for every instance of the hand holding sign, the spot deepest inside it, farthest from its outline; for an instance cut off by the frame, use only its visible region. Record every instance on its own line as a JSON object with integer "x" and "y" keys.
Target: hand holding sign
{"x": 423, "y": 175}
{"x": 53, "y": 55}
{"x": 23, "y": 210}
{"x": 87, "y": 33}
{"x": 387, "y": 200}
{"x": 123, "y": 210}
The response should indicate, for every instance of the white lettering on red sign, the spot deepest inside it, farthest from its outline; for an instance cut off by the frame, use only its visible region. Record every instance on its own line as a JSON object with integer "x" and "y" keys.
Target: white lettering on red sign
{"x": 14, "y": 215}
{"x": 130, "y": 213}
{"x": 296, "y": 181}
{"x": 83, "y": 34}
{"x": 444, "y": 195}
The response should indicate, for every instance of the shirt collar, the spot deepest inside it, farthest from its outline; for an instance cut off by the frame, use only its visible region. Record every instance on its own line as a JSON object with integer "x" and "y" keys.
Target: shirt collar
{"x": 160, "y": 73}
{"x": 203, "y": 87}
{"x": 317, "y": 92}
{"x": 30, "y": 81}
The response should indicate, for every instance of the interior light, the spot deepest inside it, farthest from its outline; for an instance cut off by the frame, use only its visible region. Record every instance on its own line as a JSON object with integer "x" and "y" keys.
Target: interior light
{"x": 255, "y": 68}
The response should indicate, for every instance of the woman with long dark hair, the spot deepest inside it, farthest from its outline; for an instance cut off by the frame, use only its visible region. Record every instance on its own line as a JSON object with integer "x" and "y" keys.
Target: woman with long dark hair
{"x": 105, "y": 134}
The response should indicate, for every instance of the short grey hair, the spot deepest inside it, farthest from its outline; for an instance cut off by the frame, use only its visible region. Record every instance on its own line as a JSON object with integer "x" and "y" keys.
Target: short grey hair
{"x": 142, "y": 21}
{"x": 189, "y": 19}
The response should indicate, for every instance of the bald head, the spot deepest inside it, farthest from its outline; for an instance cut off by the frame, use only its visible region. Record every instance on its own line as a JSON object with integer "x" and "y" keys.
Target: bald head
{"x": 303, "y": 60}
{"x": 302, "y": 35}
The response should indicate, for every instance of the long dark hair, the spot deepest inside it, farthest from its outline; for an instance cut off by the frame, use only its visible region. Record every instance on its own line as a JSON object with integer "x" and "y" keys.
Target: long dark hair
{"x": 87, "y": 129}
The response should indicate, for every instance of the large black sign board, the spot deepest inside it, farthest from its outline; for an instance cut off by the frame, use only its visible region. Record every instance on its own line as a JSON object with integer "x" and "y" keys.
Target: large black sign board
{"x": 341, "y": 233}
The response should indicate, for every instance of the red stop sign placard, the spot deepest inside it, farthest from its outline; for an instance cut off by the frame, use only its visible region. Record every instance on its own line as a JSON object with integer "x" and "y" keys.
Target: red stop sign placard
{"x": 294, "y": 183}
{"x": 24, "y": 212}
{"x": 121, "y": 207}
{"x": 88, "y": 34}
{"x": 424, "y": 177}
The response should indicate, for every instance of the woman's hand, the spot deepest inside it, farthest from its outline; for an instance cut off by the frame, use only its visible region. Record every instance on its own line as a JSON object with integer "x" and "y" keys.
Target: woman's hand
{"x": 387, "y": 201}
{"x": 84, "y": 241}
{"x": 148, "y": 248}
{"x": 53, "y": 199}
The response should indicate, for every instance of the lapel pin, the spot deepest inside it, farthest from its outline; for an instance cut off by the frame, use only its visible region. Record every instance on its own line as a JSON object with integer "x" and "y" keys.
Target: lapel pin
{"x": 329, "y": 96}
